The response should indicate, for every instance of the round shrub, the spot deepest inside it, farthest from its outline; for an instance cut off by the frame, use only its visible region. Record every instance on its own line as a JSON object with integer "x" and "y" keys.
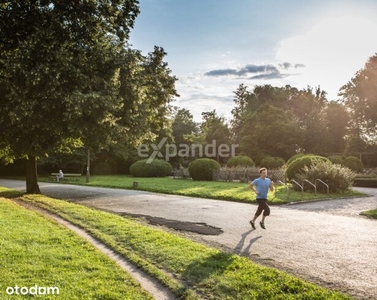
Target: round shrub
{"x": 156, "y": 168}
{"x": 336, "y": 159}
{"x": 240, "y": 161}
{"x": 354, "y": 164}
{"x": 337, "y": 177}
{"x": 270, "y": 162}
{"x": 297, "y": 165}
{"x": 202, "y": 169}
{"x": 295, "y": 157}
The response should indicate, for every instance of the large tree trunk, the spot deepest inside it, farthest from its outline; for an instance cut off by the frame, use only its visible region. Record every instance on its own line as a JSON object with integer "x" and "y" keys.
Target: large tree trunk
{"x": 32, "y": 186}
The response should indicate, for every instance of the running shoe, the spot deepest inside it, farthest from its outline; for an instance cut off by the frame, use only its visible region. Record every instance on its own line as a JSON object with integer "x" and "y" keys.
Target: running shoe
{"x": 252, "y": 224}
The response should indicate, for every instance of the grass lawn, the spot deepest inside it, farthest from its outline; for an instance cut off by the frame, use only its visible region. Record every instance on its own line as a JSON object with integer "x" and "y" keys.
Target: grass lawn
{"x": 370, "y": 213}
{"x": 230, "y": 191}
{"x": 208, "y": 272}
{"x": 36, "y": 252}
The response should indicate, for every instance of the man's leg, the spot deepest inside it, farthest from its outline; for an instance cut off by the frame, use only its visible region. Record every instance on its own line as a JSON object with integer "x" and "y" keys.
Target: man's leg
{"x": 257, "y": 213}
{"x": 266, "y": 212}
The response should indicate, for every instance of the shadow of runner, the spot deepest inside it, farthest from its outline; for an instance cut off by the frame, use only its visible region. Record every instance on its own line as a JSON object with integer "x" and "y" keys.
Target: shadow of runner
{"x": 241, "y": 243}
{"x": 247, "y": 249}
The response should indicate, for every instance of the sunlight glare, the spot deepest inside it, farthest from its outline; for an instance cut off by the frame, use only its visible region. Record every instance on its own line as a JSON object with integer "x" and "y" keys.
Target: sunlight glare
{"x": 333, "y": 50}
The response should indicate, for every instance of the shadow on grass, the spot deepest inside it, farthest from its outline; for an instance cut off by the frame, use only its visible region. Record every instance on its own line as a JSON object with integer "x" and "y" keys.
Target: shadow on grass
{"x": 203, "y": 272}
{"x": 8, "y": 193}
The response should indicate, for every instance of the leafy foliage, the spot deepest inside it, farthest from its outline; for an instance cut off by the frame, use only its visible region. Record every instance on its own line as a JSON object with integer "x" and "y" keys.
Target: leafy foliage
{"x": 240, "y": 161}
{"x": 68, "y": 79}
{"x": 214, "y": 128}
{"x": 360, "y": 96}
{"x": 297, "y": 166}
{"x": 203, "y": 168}
{"x": 350, "y": 162}
{"x": 183, "y": 126}
{"x": 294, "y": 157}
{"x": 337, "y": 159}
{"x": 338, "y": 178}
{"x": 354, "y": 164}
{"x": 156, "y": 168}
{"x": 270, "y": 162}
{"x": 271, "y": 131}
{"x": 273, "y": 121}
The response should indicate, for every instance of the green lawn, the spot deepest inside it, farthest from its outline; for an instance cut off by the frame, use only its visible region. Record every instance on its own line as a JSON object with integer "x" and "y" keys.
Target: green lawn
{"x": 36, "y": 252}
{"x": 370, "y": 213}
{"x": 230, "y": 191}
{"x": 207, "y": 272}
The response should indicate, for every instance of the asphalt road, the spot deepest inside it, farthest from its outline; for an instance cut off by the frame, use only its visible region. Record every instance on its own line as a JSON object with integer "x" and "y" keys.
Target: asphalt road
{"x": 325, "y": 242}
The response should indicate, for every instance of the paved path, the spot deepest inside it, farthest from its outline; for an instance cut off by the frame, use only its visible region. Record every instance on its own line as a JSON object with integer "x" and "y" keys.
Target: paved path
{"x": 326, "y": 242}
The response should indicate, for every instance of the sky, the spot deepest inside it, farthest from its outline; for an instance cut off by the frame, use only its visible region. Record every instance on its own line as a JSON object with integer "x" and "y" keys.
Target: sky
{"x": 213, "y": 46}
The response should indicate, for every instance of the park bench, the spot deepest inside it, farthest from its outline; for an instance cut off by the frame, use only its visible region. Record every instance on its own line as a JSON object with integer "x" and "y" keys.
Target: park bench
{"x": 67, "y": 176}
{"x": 181, "y": 174}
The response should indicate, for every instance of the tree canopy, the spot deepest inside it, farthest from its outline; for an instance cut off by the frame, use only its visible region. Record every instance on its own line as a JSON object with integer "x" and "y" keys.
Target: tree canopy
{"x": 282, "y": 121}
{"x": 360, "y": 97}
{"x": 69, "y": 79}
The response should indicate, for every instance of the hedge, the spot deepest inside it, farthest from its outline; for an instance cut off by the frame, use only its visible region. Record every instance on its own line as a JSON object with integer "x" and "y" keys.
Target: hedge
{"x": 155, "y": 168}
{"x": 240, "y": 161}
{"x": 203, "y": 168}
{"x": 365, "y": 182}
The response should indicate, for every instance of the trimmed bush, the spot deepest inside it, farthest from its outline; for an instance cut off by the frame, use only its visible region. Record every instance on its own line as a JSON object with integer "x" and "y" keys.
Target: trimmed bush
{"x": 365, "y": 182}
{"x": 203, "y": 168}
{"x": 294, "y": 157}
{"x": 354, "y": 164}
{"x": 240, "y": 161}
{"x": 339, "y": 178}
{"x": 298, "y": 165}
{"x": 336, "y": 159}
{"x": 157, "y": 168}
{"x": 270, "y": 162}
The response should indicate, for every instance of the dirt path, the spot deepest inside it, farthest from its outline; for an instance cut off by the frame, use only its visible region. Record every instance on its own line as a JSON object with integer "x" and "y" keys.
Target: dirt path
{"x": 325, "y": 242}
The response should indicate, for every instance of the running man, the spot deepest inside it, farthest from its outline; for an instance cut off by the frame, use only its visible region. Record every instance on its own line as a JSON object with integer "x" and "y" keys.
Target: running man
{"x": 260, "y": 186}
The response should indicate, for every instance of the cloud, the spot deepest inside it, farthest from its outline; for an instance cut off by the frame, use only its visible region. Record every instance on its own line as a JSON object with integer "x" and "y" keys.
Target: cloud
{"x": 299, "y": 66}
{"x": 276, "y": 75}
{"x": 221, "y": 72}
{"x": 267, "y": 71}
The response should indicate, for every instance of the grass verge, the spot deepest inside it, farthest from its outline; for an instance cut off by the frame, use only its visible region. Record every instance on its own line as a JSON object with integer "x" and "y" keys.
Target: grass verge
{"x": 230, "y": 191}
{"x": 211, "y": 273}
{"x": 370, "y": 213}
{"x": 36, "y": 253}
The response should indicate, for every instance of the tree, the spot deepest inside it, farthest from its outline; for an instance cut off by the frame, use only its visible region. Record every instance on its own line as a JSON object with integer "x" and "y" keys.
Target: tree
{"x": 337, "y": 120}
{"x": 270, "y": 132}
{"x": 304, "y": 103}
{"x": 241, "y": 101}
{"x": 215, "y": 130}
{"x": 64, "y": 78}
{"x": 303, "y": 109}
{"x": 183, "y": 125}
{"x": 360, "y": 97}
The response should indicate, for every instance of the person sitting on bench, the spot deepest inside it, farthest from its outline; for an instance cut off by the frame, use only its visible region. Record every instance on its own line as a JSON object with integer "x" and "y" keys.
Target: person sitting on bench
{"x": 60, "y": 175}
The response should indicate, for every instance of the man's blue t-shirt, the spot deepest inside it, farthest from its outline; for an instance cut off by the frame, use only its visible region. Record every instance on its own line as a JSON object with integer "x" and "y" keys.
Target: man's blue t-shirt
{"x": 262, "y": 185}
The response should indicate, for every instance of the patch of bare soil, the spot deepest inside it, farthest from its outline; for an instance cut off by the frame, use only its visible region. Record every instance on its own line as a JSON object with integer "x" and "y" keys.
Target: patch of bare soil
{"x": 199, "y": 228}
